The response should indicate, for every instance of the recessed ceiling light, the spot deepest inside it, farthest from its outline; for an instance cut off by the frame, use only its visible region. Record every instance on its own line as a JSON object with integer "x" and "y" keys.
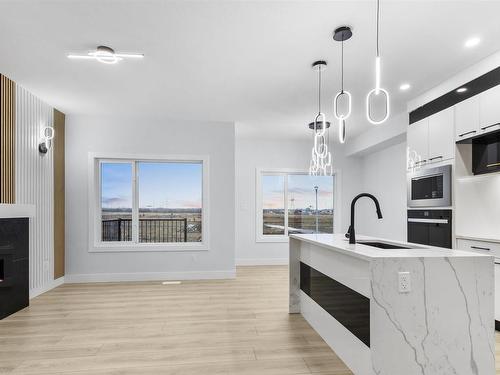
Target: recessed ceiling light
{"x": 405, "y": 86}
{"x": 472, "y": 42}
{"x": 461, "y": 90}
{"x": 105, "y": 55}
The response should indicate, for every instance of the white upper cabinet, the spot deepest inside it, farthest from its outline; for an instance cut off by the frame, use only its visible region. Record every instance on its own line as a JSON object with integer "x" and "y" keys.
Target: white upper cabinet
{"x": 477, "y": 115}
{"x": 467, "y": 118}
{"x": 433, "y": 138}
{"x": 442, "y": 135}
{"x": 418, "y": 139}
{"x": 489, "y": 109}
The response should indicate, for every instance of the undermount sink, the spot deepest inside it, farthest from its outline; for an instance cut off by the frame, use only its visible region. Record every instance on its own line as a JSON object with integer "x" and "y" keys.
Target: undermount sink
{"x": 382, "y": 245}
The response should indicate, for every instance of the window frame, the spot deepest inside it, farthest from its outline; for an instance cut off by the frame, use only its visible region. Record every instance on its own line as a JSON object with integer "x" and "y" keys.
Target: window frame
{"x": 96, "y": 245}
{"x": 259, "y": 172}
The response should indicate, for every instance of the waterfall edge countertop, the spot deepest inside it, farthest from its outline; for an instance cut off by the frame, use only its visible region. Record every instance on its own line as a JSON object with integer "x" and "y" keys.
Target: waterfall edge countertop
{"x": 391, "y": 311}
{"x": 339, "y": 243}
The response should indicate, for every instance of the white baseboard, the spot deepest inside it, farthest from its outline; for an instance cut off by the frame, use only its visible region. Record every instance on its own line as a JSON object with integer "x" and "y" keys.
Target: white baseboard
{"x": 51, "y": 285}
{"x": 149, "y": 276}
{"x": 262, "y": 262}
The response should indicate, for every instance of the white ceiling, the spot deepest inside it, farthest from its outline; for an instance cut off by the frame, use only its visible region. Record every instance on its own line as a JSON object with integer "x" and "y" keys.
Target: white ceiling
{"x": 246, "y": 61}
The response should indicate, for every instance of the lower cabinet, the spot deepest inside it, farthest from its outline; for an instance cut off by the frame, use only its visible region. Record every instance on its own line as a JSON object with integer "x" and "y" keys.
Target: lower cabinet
{"x": 492, "y": 248}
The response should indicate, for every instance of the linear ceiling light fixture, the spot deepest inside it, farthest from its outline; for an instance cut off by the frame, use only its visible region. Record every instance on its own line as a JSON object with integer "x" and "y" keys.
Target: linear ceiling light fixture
{"x": 377, "y": 90}
{"x": 321, "y": 158}
{"x": 342, "y": 34}
{"x": 106, "y": 55}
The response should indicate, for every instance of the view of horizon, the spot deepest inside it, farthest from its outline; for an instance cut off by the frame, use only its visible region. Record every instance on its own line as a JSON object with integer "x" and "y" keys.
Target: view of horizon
{"x": 161, "y": 185}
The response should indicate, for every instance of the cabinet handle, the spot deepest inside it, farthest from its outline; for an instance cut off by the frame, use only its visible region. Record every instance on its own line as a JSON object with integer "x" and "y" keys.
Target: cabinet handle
{"x": 490, "y": 126}
{"x": 471, "y": 132}
{"x": 421, "y": 161}
{"x": 480, "y": 248}
{"x": 493, "y": 164}
{"x": 435, "y": 157}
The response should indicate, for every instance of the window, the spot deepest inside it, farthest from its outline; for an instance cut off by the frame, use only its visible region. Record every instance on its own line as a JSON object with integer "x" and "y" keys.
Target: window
{"x": 149, "y": 203}
{"x": 116, "y": 202}
{"x": 273, "y": 204}
{"x": 293, "y": 202}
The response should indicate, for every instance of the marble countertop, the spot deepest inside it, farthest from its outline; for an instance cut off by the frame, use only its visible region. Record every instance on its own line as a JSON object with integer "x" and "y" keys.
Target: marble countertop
{"x": 478, "y": 238}
{"x": 17, "y": 210}
{"x": 339, "y": 243}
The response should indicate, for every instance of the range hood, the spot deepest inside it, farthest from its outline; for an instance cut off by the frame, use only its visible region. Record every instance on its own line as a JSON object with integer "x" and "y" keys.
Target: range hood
{"x": 485, "y": 152}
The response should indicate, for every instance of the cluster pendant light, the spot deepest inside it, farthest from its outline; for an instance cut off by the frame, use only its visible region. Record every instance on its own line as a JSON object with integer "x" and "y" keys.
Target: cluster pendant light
{"x": 321, "y": 158}
{"x": 342, "y": 34}
{"x": 377, "y": 90}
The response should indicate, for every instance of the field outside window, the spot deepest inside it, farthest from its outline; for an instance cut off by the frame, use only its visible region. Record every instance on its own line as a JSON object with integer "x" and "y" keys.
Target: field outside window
{"x": 150, "y": 202}
{"x": 295, "y": 203}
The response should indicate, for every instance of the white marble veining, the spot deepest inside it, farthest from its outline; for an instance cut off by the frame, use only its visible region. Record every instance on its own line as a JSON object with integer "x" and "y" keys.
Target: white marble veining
{"x": 337, "y": 242}
{"x": 294, "y": 279}
{"x": 443, "y": 326}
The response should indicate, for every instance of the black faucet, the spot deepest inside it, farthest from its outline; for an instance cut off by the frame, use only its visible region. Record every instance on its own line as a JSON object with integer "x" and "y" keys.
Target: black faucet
{"x": 351, "y": 234}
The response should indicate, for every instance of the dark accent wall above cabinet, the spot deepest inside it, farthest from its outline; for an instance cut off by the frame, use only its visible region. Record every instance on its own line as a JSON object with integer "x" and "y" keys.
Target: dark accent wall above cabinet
{"x": 474, "y": 87}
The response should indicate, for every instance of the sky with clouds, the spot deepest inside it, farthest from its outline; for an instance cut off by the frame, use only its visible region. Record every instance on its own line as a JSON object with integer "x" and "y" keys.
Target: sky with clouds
{"x": 165, "y": 185}
{"x": 301, "y": 193}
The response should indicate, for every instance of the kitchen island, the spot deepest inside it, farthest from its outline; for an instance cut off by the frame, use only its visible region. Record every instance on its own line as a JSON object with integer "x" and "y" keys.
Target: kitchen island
{"x": 394, "y": 308}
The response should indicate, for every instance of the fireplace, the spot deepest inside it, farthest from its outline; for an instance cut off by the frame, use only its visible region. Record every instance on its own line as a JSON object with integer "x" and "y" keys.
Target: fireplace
{"x": 14, "y": 265}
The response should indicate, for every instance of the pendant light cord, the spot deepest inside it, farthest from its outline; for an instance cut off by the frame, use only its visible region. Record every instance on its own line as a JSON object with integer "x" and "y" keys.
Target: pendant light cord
{"x": 342, "y": 68}
{"x": 319, "y": 89}
{"x": 378, "y": 18}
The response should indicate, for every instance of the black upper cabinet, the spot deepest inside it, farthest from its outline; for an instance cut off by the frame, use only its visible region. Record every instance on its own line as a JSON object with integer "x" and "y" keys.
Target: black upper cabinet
{"x": 486, "y": 153}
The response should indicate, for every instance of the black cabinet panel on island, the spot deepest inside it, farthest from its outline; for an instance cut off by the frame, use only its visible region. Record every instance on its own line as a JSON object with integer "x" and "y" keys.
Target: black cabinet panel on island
{"x": 348, "y": 307}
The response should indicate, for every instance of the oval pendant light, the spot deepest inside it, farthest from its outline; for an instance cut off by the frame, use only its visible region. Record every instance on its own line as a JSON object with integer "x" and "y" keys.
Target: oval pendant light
{"x": 342, "y": 34}
{"x": 377, "y": 90}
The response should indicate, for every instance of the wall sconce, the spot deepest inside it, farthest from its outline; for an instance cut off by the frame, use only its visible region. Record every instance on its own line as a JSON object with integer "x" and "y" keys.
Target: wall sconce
{"x": 46, "y": 143}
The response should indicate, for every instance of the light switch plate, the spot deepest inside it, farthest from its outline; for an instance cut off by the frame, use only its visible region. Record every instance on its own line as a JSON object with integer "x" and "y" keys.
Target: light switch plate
{"x": 404, "y": 282}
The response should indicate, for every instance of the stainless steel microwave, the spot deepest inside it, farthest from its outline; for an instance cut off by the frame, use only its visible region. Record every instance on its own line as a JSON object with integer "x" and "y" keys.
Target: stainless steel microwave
{"x": 430, "y": 187}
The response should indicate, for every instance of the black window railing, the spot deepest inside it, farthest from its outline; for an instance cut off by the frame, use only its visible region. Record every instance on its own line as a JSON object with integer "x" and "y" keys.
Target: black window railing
{"x": 150, "y": 230}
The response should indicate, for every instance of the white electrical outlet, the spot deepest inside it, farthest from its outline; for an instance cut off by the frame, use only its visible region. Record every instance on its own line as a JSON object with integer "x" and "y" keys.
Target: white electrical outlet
{"x": 404, "y": 282}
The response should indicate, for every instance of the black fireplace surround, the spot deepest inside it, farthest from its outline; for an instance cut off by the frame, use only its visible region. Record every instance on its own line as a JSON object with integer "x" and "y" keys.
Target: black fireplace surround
{"x": 14, "y": 265}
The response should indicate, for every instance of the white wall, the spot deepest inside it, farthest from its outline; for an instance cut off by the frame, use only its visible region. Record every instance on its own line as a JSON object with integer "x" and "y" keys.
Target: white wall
{"x": 252, "y": 153}
{"x": 35, "y": 185}
{"x": 154, "y": 136}
{"x": 384, "y": 175}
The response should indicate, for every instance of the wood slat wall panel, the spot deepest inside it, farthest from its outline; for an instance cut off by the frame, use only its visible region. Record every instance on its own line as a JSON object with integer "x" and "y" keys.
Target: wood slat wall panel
{"x": 7, "y": 140}
{"x": 59, "y": 165}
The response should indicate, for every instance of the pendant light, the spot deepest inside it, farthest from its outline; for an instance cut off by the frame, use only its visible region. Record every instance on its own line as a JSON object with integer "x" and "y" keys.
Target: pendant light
{"x": 377, "y": 90}
{"x": 321, "y": 158}
{"x": 342, "y": 34}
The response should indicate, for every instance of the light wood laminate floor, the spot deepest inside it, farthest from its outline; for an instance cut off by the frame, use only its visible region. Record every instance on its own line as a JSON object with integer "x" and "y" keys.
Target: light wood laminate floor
{"x": 239, "y": 326}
